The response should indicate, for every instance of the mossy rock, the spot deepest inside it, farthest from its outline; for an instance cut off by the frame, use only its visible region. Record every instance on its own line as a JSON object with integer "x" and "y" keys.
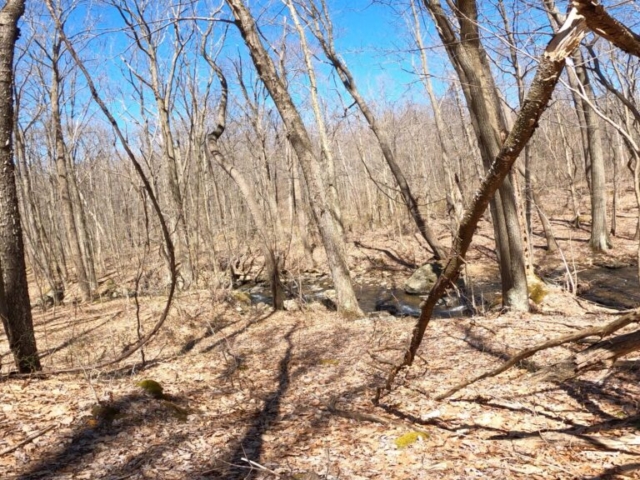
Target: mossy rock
{"x": 240, "y": 297}
{"x": 410, "y": 438}
{"x": 152, "y": 387}
{"x": 329, "y": 361}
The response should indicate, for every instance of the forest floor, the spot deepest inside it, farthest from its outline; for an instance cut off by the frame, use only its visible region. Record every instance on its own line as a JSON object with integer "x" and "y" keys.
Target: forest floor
{"x": 249, "y": 393}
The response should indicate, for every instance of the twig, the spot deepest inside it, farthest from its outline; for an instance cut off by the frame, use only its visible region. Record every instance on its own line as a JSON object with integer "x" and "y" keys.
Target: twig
{"x": 30, "y": 438}
{"x": 261, "y": 467}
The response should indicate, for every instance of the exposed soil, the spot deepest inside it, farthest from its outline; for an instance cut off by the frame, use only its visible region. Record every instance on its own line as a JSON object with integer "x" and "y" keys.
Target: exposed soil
{"x": 253, "y": 394}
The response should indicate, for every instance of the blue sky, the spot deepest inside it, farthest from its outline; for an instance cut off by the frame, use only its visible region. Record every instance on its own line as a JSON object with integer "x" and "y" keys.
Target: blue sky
{"x": 373, "y": 39}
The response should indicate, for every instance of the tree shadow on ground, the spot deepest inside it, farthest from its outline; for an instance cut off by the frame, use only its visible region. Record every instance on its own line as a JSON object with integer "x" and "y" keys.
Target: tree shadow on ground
{"x": 238, "y": 463}
{"x": 108, "y": 421}
{"x": 238, "y": 332}
{"x": 588, "y": 394}
{"x": 72, "y": 340}
{"x": 478, "y": 343}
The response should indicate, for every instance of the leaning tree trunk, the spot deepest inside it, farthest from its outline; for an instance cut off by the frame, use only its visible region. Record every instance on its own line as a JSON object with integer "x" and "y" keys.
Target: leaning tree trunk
{"x": 347, "y": 302}
{"x": 213, "y": 152}
{"x": 326, "y": 42}
{"x": 14, "y": 294}
{"x": 549, "y": 70}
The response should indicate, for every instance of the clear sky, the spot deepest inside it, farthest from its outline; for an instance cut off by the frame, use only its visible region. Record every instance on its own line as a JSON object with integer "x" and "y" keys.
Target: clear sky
{"x": 374, "y": 39}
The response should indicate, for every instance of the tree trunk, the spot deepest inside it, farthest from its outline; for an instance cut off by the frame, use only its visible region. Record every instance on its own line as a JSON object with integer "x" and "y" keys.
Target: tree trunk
{"x": 599, "y": 240}
{"x": 64, "y": 189}
{"x": 601, "y": 355}
{"x": 470, "y": 62}
{"x": 592, "y": 141}
{"x": 14, "y": 294}
{"x": 327, "y": 157}
{"x": 547, "y": 75}
{"x": 347, "y": 302}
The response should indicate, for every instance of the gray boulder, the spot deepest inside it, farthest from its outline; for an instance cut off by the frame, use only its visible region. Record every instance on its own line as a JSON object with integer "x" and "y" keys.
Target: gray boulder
{"x": 423, "y": 279}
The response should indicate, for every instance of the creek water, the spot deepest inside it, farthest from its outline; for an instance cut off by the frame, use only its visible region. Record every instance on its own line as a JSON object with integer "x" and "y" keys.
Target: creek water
{"x": 612, "y": 287}
{"x": 371, "y": 297}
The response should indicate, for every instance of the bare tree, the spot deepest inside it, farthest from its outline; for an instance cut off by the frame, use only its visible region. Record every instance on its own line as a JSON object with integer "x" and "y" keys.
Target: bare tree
{"x": 469, "y": 59}
{"x": 148, "y": 39}
{"x": 347, "y": 302}
{"x": 322, "y": 28}
{"x": 214, "y": 151}
{"x": 584, "y": 97}
{"x": 15, "y": 308}
{"x": 547, "y": 76}
{"x": 61, "y": 155}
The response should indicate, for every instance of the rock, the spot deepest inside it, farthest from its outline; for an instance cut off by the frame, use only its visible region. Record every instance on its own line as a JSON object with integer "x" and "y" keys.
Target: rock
{"x": 423, "y": 279}
{"x": 240, "y": 297}
{"x": 328, "y": 299}
{"x": 395, "y": 307}
{"x": 291, "y": 305}
{"x": 316, "y": 307}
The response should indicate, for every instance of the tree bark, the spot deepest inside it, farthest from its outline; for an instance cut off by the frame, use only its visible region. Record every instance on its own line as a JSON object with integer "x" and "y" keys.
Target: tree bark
{"x": 15, "y": 308}
{"x": 601, "y": 355}
{"x": 347, "y": 302}
{"x": 599, "y": 240}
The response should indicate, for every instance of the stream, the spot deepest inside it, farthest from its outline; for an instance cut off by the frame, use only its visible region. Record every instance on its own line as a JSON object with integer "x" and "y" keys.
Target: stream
{"x": 371, "y": 297}
{"x": 611, "y": 287}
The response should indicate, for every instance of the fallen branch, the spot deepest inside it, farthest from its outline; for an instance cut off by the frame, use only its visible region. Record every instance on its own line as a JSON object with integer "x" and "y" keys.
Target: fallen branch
{"x": 30, "y": 438}
{"x": 598, "y": 356}
{"x": 603, "y": 331}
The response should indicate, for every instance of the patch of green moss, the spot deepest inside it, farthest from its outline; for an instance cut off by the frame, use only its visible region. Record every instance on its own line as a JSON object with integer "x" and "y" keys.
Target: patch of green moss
{"x": 537, "y": 292}
{"x": 329, "y": 361}
{"x": 410, "y": 438}
{"x": 152, "y": 387}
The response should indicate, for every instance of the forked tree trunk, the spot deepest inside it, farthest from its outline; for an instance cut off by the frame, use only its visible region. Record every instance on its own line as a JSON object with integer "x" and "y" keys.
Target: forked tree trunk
{"x": 14, "y": 294}
{"x": 347, "y": 302}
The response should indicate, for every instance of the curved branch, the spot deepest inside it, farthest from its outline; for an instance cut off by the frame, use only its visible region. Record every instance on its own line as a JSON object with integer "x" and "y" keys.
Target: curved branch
{"x": 147, "y": 186}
